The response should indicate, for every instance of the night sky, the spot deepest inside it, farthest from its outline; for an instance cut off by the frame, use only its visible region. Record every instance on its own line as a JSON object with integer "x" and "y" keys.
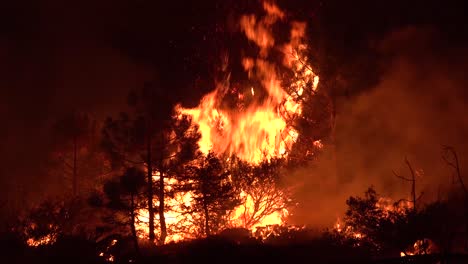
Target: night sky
{"x": 59, "y": 56}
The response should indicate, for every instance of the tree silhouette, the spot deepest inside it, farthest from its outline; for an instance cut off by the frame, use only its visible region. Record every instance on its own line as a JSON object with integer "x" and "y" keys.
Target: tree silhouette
{"x": 385, "y": 228}
{"x": 153, "y": 136}
{"x": 73, "y": 133}
{"x": 56, "y": 218}
{"x": 124, "y": 194}
{"x": 263, "y": 194}
{"x": 214, "y": 195}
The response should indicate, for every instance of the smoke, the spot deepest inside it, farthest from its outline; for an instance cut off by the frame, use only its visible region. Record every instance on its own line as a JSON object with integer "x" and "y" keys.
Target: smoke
{"x": 48, "y": 70}
{"x": 419, "y": 105}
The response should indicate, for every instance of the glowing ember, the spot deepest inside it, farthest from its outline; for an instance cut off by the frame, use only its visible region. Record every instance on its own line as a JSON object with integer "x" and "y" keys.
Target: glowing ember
{"x": 45, "y": 240}
{"x": 421, "y": 247}
{"x": 347, "y": 231}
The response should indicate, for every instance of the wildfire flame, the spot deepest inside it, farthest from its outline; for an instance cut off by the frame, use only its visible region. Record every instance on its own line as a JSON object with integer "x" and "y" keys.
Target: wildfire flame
{"x": 385, "y": 204}
{"x": 45, "y": 240}
{"x": 262, "y": 130}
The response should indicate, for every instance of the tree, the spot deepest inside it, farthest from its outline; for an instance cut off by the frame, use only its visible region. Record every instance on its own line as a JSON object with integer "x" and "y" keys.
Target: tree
{"x": 153, "y": 136}
{"x": 413, "y": 183}
{"x": 55, "y": 218}
{"x": 129, "y": 141}
{"x": 124, "y": 195}
{"x": 261, "y": 189}
{"x": 214, "y": 195}
{"x": 382, "y": 227}
{"x": 73, "y": 133}
{"x": 316, "y": 119}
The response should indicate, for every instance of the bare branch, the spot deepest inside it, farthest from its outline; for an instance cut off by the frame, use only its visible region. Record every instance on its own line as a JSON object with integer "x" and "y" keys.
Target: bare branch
{"x": 401, "y": 177}
{"x": 402, "y": 200}
{"x": 413, "y": 186}
{"x": 420, "y": 195}
{"x": 456, "y": 166}
{"x": 412, "y": 180}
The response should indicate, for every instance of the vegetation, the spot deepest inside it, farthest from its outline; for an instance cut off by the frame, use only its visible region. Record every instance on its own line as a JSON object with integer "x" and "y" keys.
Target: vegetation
{"x": 139, "y": 187}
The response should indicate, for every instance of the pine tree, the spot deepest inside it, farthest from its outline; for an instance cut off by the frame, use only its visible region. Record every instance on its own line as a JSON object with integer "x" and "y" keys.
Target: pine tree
{"x": 214, "y": 195}
{"x": 155, "y": 136}
{"x": 124, "y": 194}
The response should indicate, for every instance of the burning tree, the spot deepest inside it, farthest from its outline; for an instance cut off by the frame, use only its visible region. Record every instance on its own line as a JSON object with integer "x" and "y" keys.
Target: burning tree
{"x": 214, "y": 196}
{"x": 272, "y": 114}
{"x": 124, "y": 195}
{"x": 383, "y": 227}
{"x": 264, "y": 200}
{"x": 53, "y": 219}
{"x": 155, "y": 138}
{"x": 261, "y": 120}
{"x": 265, "y": 120}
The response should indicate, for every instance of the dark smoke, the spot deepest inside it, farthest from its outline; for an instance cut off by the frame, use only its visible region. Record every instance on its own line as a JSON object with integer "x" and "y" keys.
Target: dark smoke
{"x": 419, "y": 106}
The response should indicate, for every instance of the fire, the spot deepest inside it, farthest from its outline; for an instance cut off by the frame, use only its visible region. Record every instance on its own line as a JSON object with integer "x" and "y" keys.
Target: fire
{"x": 180, "y": 225}
{"x": 420, "y": 247}
{"x": 45, "y": 240}
{"x": 264, "y": 129}
{"x": 388, "y": 211}
{"x": 246, "y": 214}
{"x": 261, "y": 130}
{"x": 347, "y": 231}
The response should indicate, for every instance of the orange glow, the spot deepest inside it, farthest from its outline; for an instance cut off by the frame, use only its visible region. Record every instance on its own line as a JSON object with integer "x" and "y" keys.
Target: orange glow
{"x": 173, "y": 215}
{"x": 45, "y": 240}
{"x": 385, "y": 204}
{"x": 347, "y": 231}
{"x": 263, "y": 129}
{"x": 246, "y": 214}
{"x": 421, "y": 247}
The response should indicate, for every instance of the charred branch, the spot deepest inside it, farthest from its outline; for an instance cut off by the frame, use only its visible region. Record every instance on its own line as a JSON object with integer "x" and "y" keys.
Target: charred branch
{"x": 455, "y": 165}
{"x": 413, "y": 182}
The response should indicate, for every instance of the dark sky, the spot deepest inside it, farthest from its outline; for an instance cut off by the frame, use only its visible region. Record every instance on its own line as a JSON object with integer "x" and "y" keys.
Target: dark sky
{"x": 86, "y": 55}
{"x": 56, "y": 56}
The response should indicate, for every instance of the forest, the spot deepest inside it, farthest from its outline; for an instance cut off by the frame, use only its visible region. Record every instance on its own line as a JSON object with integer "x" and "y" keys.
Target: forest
{"x": 233, "y": 131}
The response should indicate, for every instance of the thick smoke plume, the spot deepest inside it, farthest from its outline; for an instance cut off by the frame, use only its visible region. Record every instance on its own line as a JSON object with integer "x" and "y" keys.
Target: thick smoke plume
{"x": 419, "y": 106}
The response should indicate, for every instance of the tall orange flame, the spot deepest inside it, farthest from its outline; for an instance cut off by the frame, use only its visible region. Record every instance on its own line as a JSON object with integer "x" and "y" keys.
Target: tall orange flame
{"x": 262, "y": 130}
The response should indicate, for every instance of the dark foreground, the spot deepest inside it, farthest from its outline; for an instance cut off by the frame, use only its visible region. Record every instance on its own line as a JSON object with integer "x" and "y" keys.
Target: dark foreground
{"x": 211, "y": 250}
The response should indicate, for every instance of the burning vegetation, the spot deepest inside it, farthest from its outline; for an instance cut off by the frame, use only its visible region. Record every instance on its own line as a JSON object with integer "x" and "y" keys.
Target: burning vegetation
{"x": 192, "y": 172}
{"x": 171, "y": 178}
{"x": 219, "y": 166}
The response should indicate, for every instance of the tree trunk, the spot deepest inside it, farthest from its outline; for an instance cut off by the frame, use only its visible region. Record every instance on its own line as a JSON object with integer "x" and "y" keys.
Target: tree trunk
{"x": 75, "y": 174}
{"x": 162, "y": 218}
{"x": 207, "y": 221}
{"x": 456, "y": 166}
{"x": 413, "y": 184}
{"x": 150, "y": 192}
{"x": 132, "y": 224}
